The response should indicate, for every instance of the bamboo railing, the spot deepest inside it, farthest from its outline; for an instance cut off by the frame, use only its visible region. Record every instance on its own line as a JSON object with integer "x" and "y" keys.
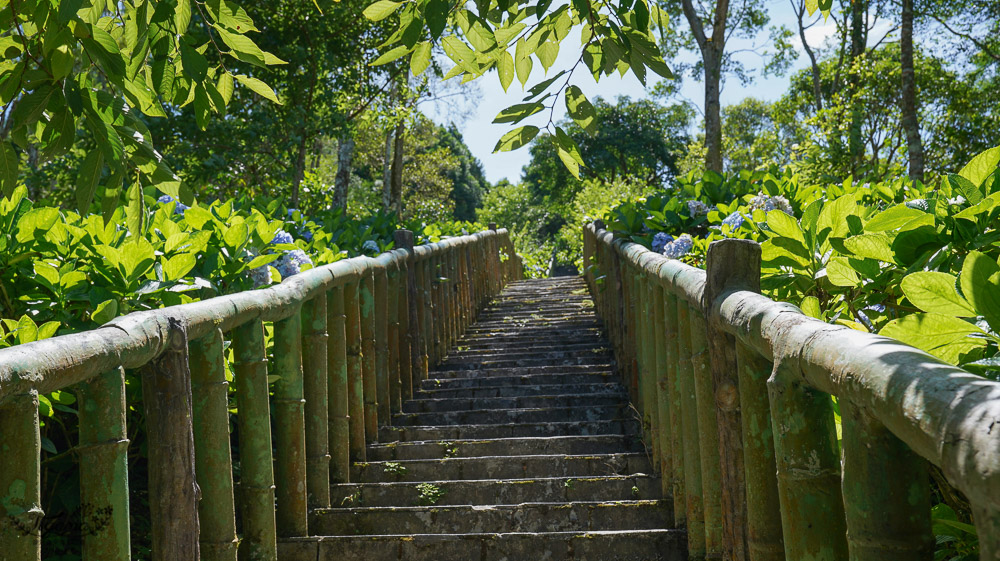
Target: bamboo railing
{"x": 734, "y": 393}
{"x": 351, "y": 340}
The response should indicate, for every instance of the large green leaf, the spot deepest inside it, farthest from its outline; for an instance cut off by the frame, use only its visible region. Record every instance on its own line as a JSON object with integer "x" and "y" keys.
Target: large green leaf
{"x": 936, "y": 292}
{"x": 942, "y": 336}
{"x": 9, "y": 164}
{"x": 980, "y": 167}
{"x": 980, "y": 282}
{"x": 518, "y": 112}
{"x": 381, "y": 10}
{"x": 874, "y": 246}
{"x": 259, "y": 87}
{"x": 516, "y": 138}
{"x": 581, "y": 110}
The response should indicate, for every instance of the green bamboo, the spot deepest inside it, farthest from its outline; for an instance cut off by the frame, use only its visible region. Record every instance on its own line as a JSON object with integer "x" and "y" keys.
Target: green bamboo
{"x": 367, "y": 298}
{"x": 426, "y": 316}
{"x": 382, "y": 346}
{"x": 440, "y": 309}
{"x": 423, "y": 312}
{"x": 256, "y": 476}
{"x": 764, "y": 535}
{"x": 647, "y": 368}
{"x": 395, "y": 383}
{"x": 355, "y": 376}
{"x": 20, "y": 478}
{"x": 289, "y": 428}
{"x": 212, "y": 452}
{"x": 676, "y": 419}
{"x": 886, "y": 493}
{"x": 338, "y": 432}
{"x": 316, "y": 383}
{"x": 661, "y": 396}
{"x": 808, "y": 465}
{"x": 708, "y": 435}
{"x": 406, "y": 332}
{"x": 103, "y": 453}
{"x": 689, "y": 436}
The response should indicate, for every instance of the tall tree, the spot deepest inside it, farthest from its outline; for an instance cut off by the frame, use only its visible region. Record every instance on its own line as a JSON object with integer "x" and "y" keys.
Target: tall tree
{"x": 712, "y": 45}
{"x": 908, "y": 95}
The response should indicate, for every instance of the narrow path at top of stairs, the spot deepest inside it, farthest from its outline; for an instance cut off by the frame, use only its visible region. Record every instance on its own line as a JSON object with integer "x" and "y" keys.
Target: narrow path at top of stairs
{"x": 520, "y": 446}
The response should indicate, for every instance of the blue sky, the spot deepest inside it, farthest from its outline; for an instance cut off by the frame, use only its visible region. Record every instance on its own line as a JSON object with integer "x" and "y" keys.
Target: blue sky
{"x": 481, "y": 135}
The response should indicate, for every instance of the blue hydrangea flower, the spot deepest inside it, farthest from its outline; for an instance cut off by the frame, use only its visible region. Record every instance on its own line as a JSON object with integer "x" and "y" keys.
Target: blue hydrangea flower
{"x": 679, "y": 247}
{"x": 876, "y": 307}
{"x": 734, "y": 220}
{"x": 660, "y": 240}
{"x": 290, "y": 263}
{"x": 292, "y": 211}
{"x": 178, "y": 209}
{"x": 165, "y": 199}
{"x": 697, "y": 208}
{"x": 767, "y": 204}
{"x": 260, "y": 276}
{"x": 281, "y": 237}
{"x": 307, "y": 235}
{"x": 370, "y": 246}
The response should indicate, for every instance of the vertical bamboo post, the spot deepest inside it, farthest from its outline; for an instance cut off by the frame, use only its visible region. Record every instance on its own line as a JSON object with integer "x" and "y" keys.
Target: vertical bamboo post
{"x": 316, "y": 384}
{"x": 410, "y": 360}
{"x": 631, "y": 362}
{"x": 730, "y": 265}
{"x": 103, "y": 452}
{"x": 395, "y": 382}
{"x": 20, "y": 478}
{"x": 661, "y": 396}
{"x": 382, "y": 345}
{"x": 289, "y": 427}
{"x": 451, "y": 282}
{"x": 256, "y": 468}
{"x": 708, "y": 434}
{"x": 764, "y": 536}
{"x": 427, "y": 327}
{"x": 676, "y": 419}
{"x": 355, "y": 374}
{"x": 173, "y": 490}
{"x": 424, "y": 305}
{"x": 213, "y": 460}
{"x": 690, "y": 436}
{"x": 367, "y": 298}
{"x": 808, "y": 463}
{"x": 886, "y": 493}
{"x": 647, "y": 372}
{"x": 338, "y": 393}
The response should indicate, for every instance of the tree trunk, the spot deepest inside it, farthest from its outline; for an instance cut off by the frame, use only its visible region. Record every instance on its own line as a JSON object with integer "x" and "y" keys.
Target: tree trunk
{"x": 800, "y": 11}
{"x": 345, "y": 156}
{"x": 908, "y": 95}
{"x": 713, "y": 116}
{"x": 396, "y": 181}
{"x": 858, "y": 32}
{"x": 387, "y": 172}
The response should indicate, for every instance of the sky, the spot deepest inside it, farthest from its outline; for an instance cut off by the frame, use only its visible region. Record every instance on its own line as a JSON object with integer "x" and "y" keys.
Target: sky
{"x": 475, "y": 123}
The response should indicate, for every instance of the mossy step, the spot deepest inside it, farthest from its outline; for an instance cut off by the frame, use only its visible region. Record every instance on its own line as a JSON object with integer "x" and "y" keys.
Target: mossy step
{"x": 502, "y": 467}
{"x": 536, "y": 369}
{"x": 508, "y": 430}
{"x": 508, "y": 415}
{"x": 596, "y": 389}
{"x": 519, "y": 377}
{"x": 468, "y": 448}
{"x": 427, "y": 405}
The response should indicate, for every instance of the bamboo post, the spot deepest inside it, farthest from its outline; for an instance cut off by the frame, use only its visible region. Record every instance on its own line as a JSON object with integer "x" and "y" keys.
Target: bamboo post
{"x": 886, "y": 493}
{"x": 367, "y": 297}
{"x": 20, "y": 478}
{"x": 690, "y": 435}
{"x": 382, "y": 346}
{"x": 410, "y": 360}
{"x": 173, "y": 490}
{"x": 808, "y": 464}
{"x": 708, "y": 434}
{"x": 338, "y": 394}
{"x": 730, "y": 265}
{"x": 355, "y": 371}
{"x": 661, "y": 395}
{"x": 427, "y": 327}
{"x": 256, "y": 469}
{"x": 289, "y": 427}
{"x": 103, "y": 453}
{"x": 764, "y": 535}
{"x": 395, "y": 381}
{"x": 423, "y": 333}
{"x": 647, "y": 368}
{"x": 212, "y": 452}
{"x": 316, "y": 383}
{"x": 676, "y": 419}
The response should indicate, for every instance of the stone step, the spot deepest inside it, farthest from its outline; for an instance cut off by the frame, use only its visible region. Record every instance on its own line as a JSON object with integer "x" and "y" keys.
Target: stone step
{"x": 492, "y": 348}
{"x": 518, "y": 377}
{"x": 427, "y": 405}
{"x": 576, "y": 444}
{"x": 500, "y": 416}
{"x": 498, "y": 491}
{"x": 482, "y": 373}
{"x": 533, "y": 327}
{"x": 626, "y": 425}
{"x": 634, "y": 545}
{"x": 515, "y": 360}
{"x": 522, "y": 390}
{"x": 555, "y": 352}
{"x": 502, "y": 467}
{"x": 465, "y": 519}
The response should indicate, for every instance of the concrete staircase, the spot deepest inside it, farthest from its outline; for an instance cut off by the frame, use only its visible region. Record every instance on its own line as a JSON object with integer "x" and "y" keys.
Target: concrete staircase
{"x": 520, "y": 446}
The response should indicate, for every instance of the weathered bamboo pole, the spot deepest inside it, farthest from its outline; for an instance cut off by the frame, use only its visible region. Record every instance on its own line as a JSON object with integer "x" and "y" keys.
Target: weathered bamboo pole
{"x": 173, "y": 490}
{"x": 367, "y": 297}
{"x": 395, "y": 381}
{"x": 676, "y": 411}
{"x": 689, "y": 435}
{"x": 409, "y": 363}
{"x": 647, "y": 368}
{"x": 256, "y": 471}
{"x": 662, "y": 398}
{"x": 20, "y": 478}
{"x": 382, "y": 380}
{"x": 764, "y": 535}
{"x": 355, "y": 371}
{"x": 423, "y": 308}
{"x": 730, "y": 265}
{"x": 289, "y": 427}
{"x": 103, "y": 453}
{"x": 212, "y": 452}
{"x": 886, "y": 493}
{"x": 316, "y": 384}
{"x": 708, "y": 435}
{"x": 427, "y": 314}
{"x": 339, "y": 431}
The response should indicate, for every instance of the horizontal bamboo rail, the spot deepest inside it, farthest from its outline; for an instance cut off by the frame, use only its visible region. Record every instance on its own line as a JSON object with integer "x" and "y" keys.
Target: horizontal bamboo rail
{"x": 408, "y": 306}
{"x": 736, "y": 401}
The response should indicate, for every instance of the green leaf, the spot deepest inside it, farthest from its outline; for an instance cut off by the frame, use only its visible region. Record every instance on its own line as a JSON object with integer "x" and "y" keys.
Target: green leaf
{"x": 381, "y": 10}
{"x": 36, "y": 220}
{"x": 505, "y": 69}
{"x": 197, "y": 217}
{"x": 27, "y": 331}
{"x": 522, "y": 62}
{"x": 195, "y": 63}
{"x": 874, "y": 246}
{"x": 9, "y": 164}
{"x": 258, "y": 87}
{"x": 785, "y": 226}
{"x": 810, "y": 307}
{"x": 518, "y": 112}
{"x": 935, "y": 292}
{"x": 421, "y": 58}
{"x": 980, "y": 282}
{"x": 971, "y": 191}
{"x": 537, "y": 89}
{"x": 547, "y": 53}
{"x": 105, "y": 312}
{"x": 138, "y": 257}
{"x": 840, "y": 273}
{"x": 225, "y": 86}
{"x": 395, "y": 53}
{"x": 893, "y": 218}
{"x": 236, "y": 235}
{"x": 568, "y": 152}
{"x": 179, "y": 265}
{"x": 242, "y": 45}
{"x": 261, "y": 260}
{"x": 984, "y": 164}
{"x": 581, "y": 110}
{"x": 516, "y": 138}
{"x": 46, "y": 331}
{"x": 942, "y": 336}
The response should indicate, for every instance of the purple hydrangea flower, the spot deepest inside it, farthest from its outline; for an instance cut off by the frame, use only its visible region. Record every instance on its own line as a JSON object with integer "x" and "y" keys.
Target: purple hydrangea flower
{"x": 178, "y": 209}
{"x": 261, "y": 276}
{"x": 281, "y": 237}
{"x": 734, "y": 220}
{"x": 370, "y": 246}
{"x": 290, "y": 263}
{"x": 767, "y": 204}
{"x": 306, "y": 235}
{"x": 679, "y": 247}
{"x": 697, "y": 208}
{"x": 292, "y": 211}
{"x": 661, "y": 239}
